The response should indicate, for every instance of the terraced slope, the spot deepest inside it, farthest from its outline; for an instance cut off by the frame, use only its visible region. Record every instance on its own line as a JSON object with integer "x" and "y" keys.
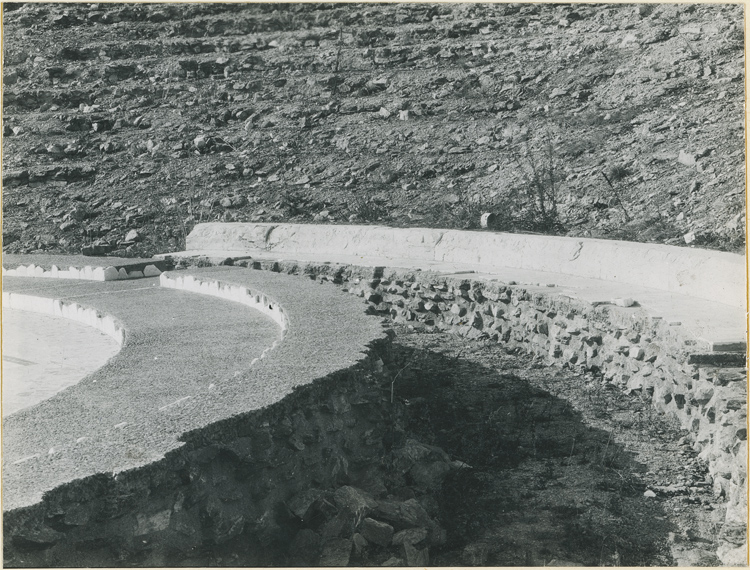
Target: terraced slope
{"x": 124, "y": 125}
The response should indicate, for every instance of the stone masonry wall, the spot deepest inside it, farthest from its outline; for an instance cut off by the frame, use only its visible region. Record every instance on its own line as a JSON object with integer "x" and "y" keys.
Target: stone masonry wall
{"x": 707, "y": 393}
{"x": 253, "y": 489}
{"x": 268, "y": 488}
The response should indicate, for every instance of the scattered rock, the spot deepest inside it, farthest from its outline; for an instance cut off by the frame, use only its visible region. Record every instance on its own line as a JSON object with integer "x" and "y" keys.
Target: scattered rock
{"x": 557, "y": 92}
{"x": 693, "y": 29}
{"x": 415, "y": 556}
{"x": 410, "y": 536}
{"x": 200, "y": 142}
{"x": 636, "y": 352}
{"x": 80, "y": 213}
{"x": 360, "y": 544}
{"x": 686, "y": 158}
{"x": 405, "y": 514}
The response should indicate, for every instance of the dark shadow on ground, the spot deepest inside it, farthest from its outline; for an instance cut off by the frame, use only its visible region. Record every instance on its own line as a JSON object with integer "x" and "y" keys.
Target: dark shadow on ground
{"x": 540, "y": 486}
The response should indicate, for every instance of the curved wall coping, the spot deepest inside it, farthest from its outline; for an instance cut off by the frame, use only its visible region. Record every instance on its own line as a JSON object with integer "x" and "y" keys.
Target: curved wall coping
{"x": 87, "y": 272}
{"x": 89, "y": 268}
{"x": 247, "y": 296}
{"x": 71, "y": 310}
{"x": 713, "y": 275}
{"x": 244, "y": 295}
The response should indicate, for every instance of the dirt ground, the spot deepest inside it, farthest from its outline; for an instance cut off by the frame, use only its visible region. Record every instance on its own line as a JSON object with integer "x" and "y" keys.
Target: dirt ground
{"x": 560, "y": 468}
{"x": 126, "y": 124}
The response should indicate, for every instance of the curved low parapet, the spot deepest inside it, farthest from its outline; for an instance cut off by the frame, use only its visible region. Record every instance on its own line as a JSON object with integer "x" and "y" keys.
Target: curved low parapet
{"x": 68, "y": 310}
{"x": 81, "y": 267}
{"x": 246, "y": 295}
{"x": 710, "y": 275}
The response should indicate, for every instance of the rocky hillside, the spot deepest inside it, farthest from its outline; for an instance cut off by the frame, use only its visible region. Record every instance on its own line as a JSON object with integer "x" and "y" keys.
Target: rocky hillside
{"x": 124, "y": 125}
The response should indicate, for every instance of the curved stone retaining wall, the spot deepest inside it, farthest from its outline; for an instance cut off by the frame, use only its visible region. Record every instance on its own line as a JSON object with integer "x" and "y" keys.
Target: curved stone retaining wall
{"x": 68, "y": 310}
{"x": 711, "y": 275}
{"x": 197, "y": 488}
{"x": 633, "y": 351}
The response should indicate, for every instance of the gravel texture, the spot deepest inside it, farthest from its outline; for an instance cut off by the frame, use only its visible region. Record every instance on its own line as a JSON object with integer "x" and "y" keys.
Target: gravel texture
{"x": 186, "y": 363}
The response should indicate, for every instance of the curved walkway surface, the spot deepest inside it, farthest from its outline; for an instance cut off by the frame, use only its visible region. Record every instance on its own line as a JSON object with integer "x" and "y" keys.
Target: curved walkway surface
{"x": 130, "y": 412}
{"x": 188, "y": 360}
{"x": 702, "y": 291}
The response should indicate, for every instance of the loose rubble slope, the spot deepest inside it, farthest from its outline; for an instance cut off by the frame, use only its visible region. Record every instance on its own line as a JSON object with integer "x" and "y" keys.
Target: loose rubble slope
{"x": 124, "y": 125}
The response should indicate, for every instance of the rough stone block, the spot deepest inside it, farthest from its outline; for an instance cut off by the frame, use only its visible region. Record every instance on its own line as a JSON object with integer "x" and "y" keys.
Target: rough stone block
{"x": 353, "y": 500}
{"x": 377, "y": 532}
{"x": 410, "y": 536}
{"x": 336, "y": 552}
{"x": 415, "y": 556}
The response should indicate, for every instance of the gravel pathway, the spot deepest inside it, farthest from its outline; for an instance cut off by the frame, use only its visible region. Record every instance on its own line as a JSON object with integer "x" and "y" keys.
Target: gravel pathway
{"x": 178, "y": 347}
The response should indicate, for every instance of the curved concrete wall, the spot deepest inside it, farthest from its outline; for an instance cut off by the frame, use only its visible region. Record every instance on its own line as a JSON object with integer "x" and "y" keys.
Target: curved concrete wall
{"x": 67, "y": 310}
{"x": 87, "y": 272}
{"x": 249, "y": 297}
{"x": 713, "y": 275}
{"x": 246, "y": 296}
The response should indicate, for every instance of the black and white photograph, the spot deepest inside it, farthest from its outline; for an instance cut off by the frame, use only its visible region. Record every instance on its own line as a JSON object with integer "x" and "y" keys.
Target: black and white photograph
{"x": 435, "y": 284}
